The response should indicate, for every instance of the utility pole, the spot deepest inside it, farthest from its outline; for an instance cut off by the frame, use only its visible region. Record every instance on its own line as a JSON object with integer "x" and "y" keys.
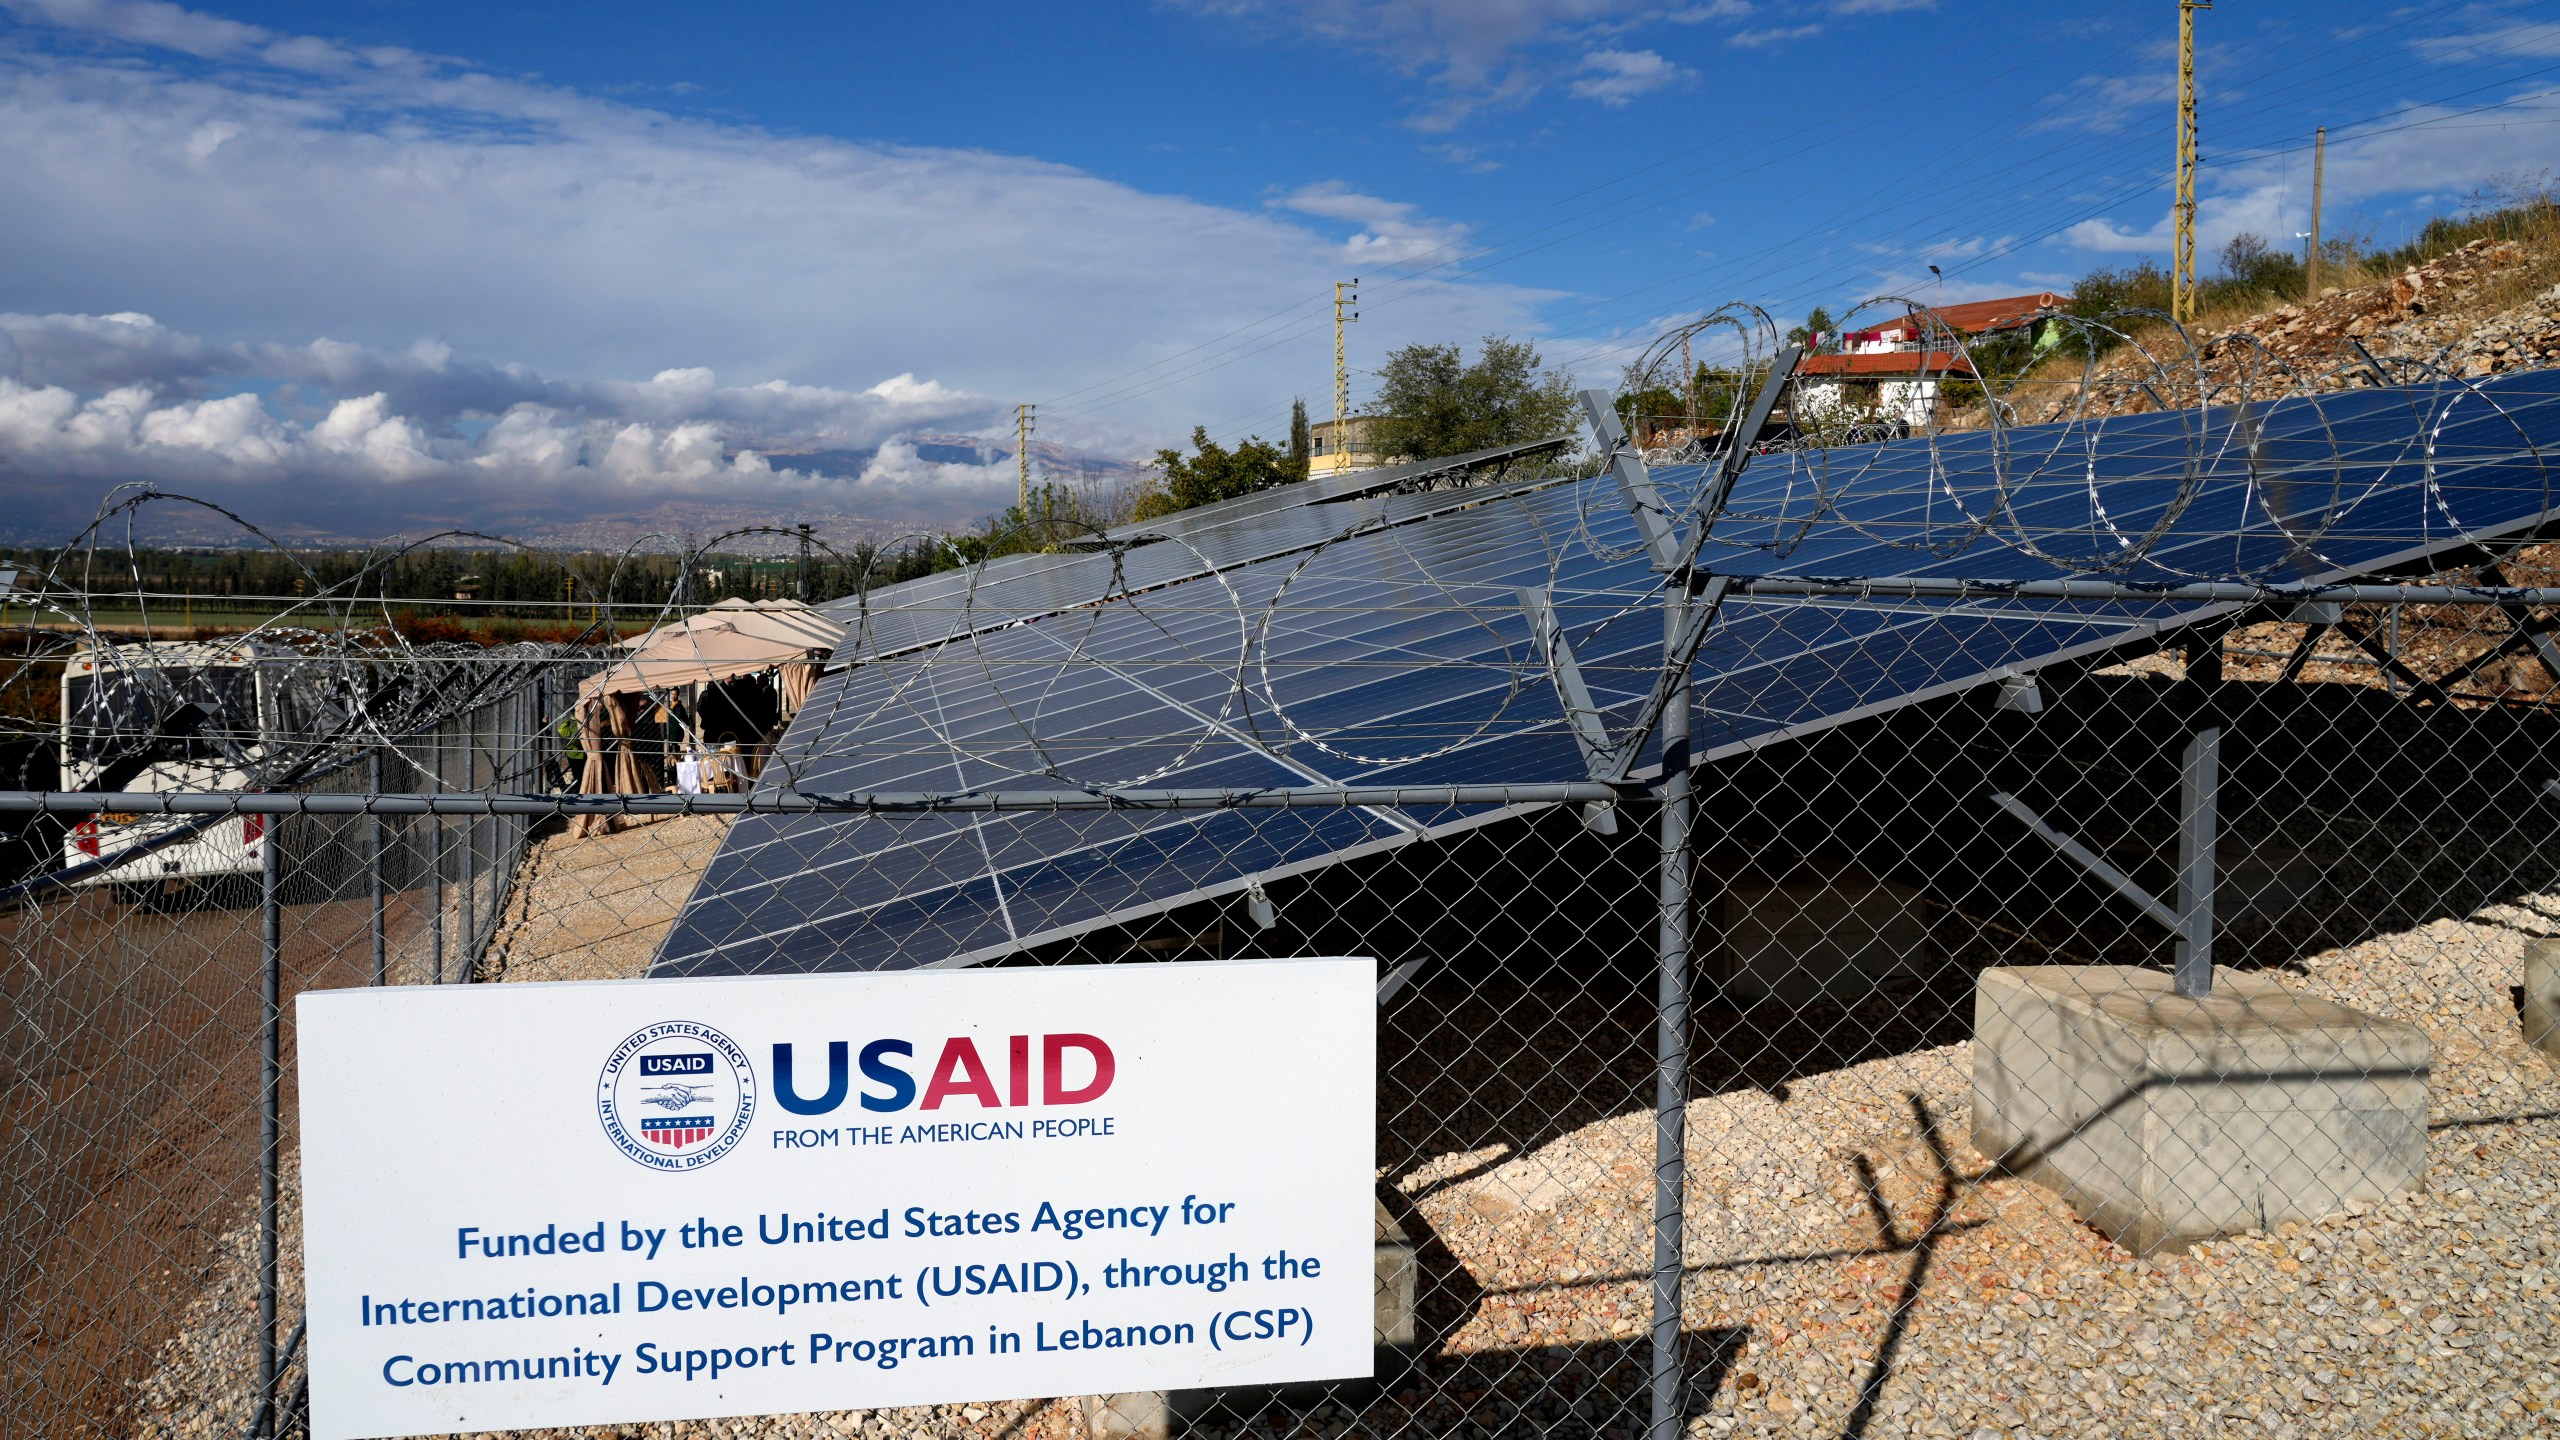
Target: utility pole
{"x": 2182, "y": 267}
{"x": 1023, "y": 417}
{"x": 1342, "y": 295}
{"x": 1688, "y": 389}
{"x": 804, "y": 562}
{"x": 2319, "y": 159}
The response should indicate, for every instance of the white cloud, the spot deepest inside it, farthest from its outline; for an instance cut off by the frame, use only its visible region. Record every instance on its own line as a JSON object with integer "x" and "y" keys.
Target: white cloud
{"x": 147, "y": 22}
{"x": 1484, "y": 55}
{"x": 256, "y": 189}
{"x": 1465, "y": 45}
{"x": 2418, "y": 154}
{"x": 1614, "y": 77}
{"x": 1389, "y": 232}
{"x": 1773, "y": 35}
{"x": 2530, "y": 40}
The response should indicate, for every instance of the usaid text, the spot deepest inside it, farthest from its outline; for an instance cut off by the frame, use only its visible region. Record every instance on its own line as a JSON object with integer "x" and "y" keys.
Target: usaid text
{"x": 695, "y": 1198}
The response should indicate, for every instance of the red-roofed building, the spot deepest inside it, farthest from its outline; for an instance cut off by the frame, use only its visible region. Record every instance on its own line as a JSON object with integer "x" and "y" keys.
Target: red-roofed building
{"x": 1891, "y": 371}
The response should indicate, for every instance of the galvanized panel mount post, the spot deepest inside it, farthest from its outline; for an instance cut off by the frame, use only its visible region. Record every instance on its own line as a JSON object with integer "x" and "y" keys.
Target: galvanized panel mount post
{"x": 1671, "y": 1036}
{"x": 2199, "y": 784}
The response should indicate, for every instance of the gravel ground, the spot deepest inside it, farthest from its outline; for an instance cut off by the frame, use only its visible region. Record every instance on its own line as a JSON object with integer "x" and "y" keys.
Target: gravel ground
{"x": 1853, "y": 1268}
{"x": 596, "y": 908}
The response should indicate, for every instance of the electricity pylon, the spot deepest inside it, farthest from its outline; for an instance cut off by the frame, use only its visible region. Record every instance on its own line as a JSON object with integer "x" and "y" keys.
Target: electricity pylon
{"x": 1023, "y": 415}
{"x": 2182, "y": 267}
{"x": 1343, "y": 294}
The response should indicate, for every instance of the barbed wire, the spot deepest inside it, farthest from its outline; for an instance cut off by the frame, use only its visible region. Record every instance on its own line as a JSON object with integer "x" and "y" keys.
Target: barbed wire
{"x": 2011, "y": 449}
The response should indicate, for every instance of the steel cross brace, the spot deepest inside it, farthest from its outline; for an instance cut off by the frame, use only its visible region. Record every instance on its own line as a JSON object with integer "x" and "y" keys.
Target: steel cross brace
{"x": 1599, "y": 753}
{"x": 1653, "y": 516}
{"x": 1635, "y": 483}
{"x": 2191, "y": 919}
{"x": 1678, "y": 557}
{"x": 2384, "y": 654}
{"x": 2532, "y": 632}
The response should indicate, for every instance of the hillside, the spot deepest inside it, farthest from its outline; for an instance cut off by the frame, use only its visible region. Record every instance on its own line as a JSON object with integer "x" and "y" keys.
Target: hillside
{"x": 2486, "y": 308}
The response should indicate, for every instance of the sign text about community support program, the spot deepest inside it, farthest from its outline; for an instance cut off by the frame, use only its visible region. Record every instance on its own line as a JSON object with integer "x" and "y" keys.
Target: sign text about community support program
{"x": 1010, "y": 1205}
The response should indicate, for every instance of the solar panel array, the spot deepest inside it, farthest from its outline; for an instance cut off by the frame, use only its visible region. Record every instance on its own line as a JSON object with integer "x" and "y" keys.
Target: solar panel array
{"x": 1384, "y": 641}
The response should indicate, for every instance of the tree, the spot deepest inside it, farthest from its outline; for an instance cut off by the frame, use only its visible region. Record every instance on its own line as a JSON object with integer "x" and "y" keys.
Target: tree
{"x": 1302, "y": 443}
{"x": 2103, "y": 291}
{"x": 1218, "y": 473}
{"x": 2250, "y": 264}
{"x": 1432, "y": 403}
{"x": 1817, "y": 323}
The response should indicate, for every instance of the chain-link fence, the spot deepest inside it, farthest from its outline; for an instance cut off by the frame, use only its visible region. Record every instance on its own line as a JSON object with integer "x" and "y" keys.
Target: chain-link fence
{"x": 2142, "y": 1040}
{"x": 2036, "y": 927}
{"x": 143, "y": 1041}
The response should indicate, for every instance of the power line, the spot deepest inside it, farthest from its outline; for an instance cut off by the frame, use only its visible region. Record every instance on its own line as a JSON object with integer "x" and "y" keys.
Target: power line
{"x": 1630, "y": 207}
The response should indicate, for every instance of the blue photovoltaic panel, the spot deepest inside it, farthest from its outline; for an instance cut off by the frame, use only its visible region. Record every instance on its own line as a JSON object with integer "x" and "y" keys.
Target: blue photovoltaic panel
{"x": 1399, "y": 653}
{"x": 935, "y": 609}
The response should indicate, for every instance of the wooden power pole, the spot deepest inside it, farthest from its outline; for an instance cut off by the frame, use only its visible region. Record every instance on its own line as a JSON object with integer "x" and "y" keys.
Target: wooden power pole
{"x": 2182, "y": 267}
{"x": 1343, "y": 295}
{"x": 2311, "y": 267}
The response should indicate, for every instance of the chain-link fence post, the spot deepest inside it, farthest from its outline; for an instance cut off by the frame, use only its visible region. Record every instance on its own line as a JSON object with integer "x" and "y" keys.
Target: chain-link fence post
{"x": 435, "y": 895}
{"x": 270, "y": 1102}
{"x": 373, "y": 868}
{"x": 466, "y": 931}
{"x": 1671, "y": 1032}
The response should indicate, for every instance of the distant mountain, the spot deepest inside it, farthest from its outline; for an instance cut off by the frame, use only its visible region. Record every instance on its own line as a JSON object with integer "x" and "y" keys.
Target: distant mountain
{"x": 933, "y": 483}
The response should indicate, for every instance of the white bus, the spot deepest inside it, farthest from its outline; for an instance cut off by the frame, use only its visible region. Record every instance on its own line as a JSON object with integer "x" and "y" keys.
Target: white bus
{"x": 168, "y": 715}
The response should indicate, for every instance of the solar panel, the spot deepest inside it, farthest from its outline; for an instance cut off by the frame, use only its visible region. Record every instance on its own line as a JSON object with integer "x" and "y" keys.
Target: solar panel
{"x": 1396, "y": 651}
{"x": 1144, "y": 555}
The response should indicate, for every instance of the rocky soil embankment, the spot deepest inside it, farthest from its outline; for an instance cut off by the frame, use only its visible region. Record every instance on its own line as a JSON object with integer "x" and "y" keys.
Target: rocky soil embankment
{"x": 2485, "y": 309}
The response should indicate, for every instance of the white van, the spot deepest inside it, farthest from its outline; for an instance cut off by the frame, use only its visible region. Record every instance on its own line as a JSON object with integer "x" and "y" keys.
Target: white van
{"x": 168, "y": 715}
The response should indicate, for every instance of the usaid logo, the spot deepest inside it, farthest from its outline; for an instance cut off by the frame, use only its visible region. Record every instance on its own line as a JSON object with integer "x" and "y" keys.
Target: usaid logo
{"x": 676, "y": 1095}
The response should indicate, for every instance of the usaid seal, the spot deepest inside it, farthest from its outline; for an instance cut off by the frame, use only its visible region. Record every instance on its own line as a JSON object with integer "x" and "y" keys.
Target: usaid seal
{"x": 676, "y": 1095}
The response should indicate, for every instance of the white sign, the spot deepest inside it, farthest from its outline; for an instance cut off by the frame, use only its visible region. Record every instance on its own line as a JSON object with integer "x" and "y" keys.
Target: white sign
{"x": 582, "y": 1204}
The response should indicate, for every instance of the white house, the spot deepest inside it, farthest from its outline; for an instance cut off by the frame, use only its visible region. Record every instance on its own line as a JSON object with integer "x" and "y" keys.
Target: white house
{"x": 1892, "y": 371}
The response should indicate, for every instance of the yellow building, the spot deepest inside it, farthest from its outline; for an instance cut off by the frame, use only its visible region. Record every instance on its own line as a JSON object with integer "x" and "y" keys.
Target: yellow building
{"x": 1355, "y": 446}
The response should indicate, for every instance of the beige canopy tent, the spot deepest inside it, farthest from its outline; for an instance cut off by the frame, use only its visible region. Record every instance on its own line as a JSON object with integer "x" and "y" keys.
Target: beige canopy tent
{"x": 730, "y": 640}
{"x": 734, "y": 637}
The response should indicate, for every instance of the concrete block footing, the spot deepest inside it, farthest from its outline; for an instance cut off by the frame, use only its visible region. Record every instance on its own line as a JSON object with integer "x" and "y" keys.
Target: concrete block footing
{"x": 1154, "y": 1414}
{"x": 1135, "y": 1415}
{"x": 2542, "y": 996}
{"x": 2165, "y": 1120}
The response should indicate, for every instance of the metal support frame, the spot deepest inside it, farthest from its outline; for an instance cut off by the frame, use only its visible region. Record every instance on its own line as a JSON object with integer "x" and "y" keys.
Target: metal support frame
{"x": 1635, "y": 483}
{"x": 2135, "y": 592}
{"x": 2385, "y": 649}
{"x": 1582, "y": 716}
{"x": 2199, "y": 830}
{"x": 1671, "y": 1038}
{"x": 2199, "y": 785}
{"x": 1689, "y": 605}
{"x": 2087, "y": 859}
{"x": 1737, "y": 447}
{"x": 270, "y": 1101}
{"x": 2532, "y": 634}
{"x": 2372, "y": 366}
{"x": 2316, "y": 619}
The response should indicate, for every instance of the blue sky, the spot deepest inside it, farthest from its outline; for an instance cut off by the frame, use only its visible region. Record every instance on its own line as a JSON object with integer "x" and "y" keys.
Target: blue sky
{"x": 507, "y": 261}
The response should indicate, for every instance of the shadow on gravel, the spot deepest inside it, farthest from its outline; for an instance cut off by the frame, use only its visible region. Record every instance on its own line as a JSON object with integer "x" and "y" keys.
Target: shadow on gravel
{"x": 1598, "y": 1391}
